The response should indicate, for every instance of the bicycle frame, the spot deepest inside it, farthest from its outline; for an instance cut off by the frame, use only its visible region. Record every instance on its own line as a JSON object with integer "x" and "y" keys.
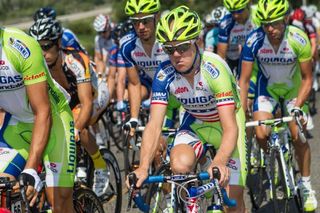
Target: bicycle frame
{"x": 275, "y": 143}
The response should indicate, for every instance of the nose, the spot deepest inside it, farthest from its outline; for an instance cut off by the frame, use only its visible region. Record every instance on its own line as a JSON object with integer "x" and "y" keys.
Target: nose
{"x": 141, "y": 25}
{"x": 269, "y": 28}
{"x": 176, "y": 54}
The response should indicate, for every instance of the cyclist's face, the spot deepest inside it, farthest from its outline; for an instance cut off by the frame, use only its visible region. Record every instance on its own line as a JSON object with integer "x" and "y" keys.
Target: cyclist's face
{"x": 106, "y": 33}
{"x": 144, "y": 25}
{"x": 50, "y": 51}
{"x": 240, "y": 16}
{"x": 274, "y": 30}
{"x": 181, "y": 54}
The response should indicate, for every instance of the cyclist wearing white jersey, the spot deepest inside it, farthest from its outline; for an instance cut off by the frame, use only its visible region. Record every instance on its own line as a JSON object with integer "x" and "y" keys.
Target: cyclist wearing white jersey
{"x": 74, "y": 72}
{"x": 234, "y": 29}
{"x": 38, "y": 126}
{"x": 283, "y": 54}
{"x": 103, "y": 43}
{"x": 206, "y": 88}
{"x": 142, "y": 54}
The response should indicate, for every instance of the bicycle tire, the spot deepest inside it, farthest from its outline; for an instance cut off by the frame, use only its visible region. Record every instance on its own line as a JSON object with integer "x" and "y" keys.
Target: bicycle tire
{"x": 278, "y": 184}
{"x": 256, "y": 180}
{"x": 86, "y": 201}
{"x": 112, "y": 199}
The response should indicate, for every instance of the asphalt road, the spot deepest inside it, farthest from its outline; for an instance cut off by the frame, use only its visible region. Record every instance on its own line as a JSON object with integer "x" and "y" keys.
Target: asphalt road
{"x": 267, "y": 208}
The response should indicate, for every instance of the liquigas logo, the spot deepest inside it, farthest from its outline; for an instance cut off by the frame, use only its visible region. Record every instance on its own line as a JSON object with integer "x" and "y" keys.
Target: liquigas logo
{"x": 20, "y": 47}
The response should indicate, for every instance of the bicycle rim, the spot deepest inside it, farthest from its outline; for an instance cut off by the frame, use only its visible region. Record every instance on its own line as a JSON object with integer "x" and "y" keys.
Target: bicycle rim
{"x": 86, "y": 201}
{"x": 112, "y": 198}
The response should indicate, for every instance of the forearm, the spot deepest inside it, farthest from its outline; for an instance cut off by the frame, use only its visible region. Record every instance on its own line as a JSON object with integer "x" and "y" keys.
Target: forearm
{"x": 121, "y": 84}
{"x": 244, "y": 87}
{"x": 111, "y": 80}
{"x": 134, "y": 99}
{"x": 228, "y": 145}
{"x": 149, "y": 146}
{"x": 39, "y": 141}
{"x": 100, "y": 65}
{"x": 84, "y": 116}
{"x": 304, "y": 91}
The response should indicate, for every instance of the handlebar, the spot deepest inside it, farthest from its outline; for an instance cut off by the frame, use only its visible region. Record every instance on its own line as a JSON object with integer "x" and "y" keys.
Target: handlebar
{"x": 136, "y": 196}
{"x": 276, "y": 121}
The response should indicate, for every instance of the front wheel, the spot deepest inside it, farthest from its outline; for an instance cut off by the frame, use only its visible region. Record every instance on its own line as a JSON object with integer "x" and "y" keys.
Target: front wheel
{"x": 86, "y": 201}
{"x": 279, "y": 194}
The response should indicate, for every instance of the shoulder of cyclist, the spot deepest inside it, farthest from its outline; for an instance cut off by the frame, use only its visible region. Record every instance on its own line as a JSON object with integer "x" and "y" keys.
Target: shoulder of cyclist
{"x": 78, "y": 62}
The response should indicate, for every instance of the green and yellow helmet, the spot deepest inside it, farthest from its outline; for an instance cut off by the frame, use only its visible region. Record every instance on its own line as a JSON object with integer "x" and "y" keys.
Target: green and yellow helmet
{"x": 272, "y": 10}
{"x": 180, "y": 24}
{"x": 233, "y": 5}
{"x": 142, "y": 6}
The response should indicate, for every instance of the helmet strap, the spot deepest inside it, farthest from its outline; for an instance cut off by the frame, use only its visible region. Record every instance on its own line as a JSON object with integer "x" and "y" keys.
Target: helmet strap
{"x": 188, "y": 71}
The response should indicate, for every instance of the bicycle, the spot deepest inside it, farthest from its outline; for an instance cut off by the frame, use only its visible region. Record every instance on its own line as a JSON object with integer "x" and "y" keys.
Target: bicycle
{"x": 182, "y": 194}
{"x": 84, "y": 199}
{"x": 281, "y": 168}
{"x": 112, "y": 198}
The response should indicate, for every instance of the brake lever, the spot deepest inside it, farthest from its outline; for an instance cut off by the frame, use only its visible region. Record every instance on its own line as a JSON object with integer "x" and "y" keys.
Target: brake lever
{"x": 132, "y": 181}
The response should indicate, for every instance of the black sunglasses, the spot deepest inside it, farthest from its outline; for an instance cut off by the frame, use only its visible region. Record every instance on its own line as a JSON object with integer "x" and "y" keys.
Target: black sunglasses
{"x": 144, "y": 20}
{"x": 272, "y": 24}
{"x": 47, "y": 46}
{"x": 180, "y": 48}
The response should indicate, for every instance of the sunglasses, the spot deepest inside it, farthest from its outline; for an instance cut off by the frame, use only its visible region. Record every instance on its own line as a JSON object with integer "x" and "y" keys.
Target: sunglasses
{"x": 47, "y": 46}
{"x": 144, "y": 20}
{"x": 237, "y": 11}
{"x": 180, "y": 48}
{"x": 272, "y": 24}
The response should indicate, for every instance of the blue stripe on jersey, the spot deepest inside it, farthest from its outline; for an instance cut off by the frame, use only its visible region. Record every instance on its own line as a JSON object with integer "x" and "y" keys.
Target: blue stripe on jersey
{"x": 13, "y": 170}
{"x": 225, "y": 27}
{"x": 4, "y": 125}
{"x": 126, "y": 49}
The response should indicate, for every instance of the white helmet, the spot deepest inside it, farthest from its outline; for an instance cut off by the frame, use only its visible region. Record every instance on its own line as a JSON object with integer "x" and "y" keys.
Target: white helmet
{"x": 218, "y": 13}
{"x": 101, "y": 23}
{"x": 317, "y": 15}
{"x": 313, "y": 9}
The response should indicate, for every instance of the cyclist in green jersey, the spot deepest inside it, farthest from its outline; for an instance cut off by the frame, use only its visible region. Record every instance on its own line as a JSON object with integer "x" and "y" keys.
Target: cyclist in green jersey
{"x": 283, "y": 54}
{"x": 73, "y": 71}
{"x": 38, "y": 125}
{"x": 205, "y": 87}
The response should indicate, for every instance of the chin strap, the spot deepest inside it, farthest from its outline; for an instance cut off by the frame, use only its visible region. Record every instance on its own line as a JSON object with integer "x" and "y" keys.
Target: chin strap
{"x": 193, "y": 63}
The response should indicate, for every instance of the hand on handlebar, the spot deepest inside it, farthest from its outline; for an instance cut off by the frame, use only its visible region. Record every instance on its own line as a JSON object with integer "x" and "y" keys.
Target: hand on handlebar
{"x": 30, "y": 185}
{"x": 224, "y": 173}
{"x": 141, "y": 175}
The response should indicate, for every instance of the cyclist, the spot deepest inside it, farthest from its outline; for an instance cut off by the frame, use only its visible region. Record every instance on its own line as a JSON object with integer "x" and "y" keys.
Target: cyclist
{"x": 211, "y": 37}
{"x": 206, "y": 88}
{"x": 103, "y": 43}
{"x": 142, "y": 54}
{"x": 234, "y": 29}
{"x": 69, "y": 39}
{"x": 127, "y": 34}
{"x": 298, "y": 19}
{"x": 38, "y": 125}
{"x": 73, "y": 71}
{"x": 283, "y": 54}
